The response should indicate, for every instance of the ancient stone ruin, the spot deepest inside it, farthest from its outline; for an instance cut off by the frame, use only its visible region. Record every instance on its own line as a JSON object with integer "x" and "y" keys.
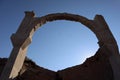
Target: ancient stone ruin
{"x": 104, "y": 65}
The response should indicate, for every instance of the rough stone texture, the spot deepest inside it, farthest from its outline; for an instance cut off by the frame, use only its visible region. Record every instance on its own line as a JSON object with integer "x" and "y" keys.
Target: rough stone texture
{"x": 23, "y": 37}
{"x": 96, "y": 67}
{"x": 31, "y": 71}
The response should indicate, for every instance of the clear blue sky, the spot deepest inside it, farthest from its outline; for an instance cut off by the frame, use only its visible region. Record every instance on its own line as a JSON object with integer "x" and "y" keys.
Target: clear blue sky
{"x": 59, "y": 44}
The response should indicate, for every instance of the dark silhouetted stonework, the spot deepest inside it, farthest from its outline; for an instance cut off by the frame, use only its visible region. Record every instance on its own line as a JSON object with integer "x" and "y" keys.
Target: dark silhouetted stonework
{"x": 3, "y": 61}
{"x": 104, "y": 67}
{"x": 96, "y": 67}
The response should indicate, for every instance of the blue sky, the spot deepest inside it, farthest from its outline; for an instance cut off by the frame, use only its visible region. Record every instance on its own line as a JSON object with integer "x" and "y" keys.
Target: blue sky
{"x": 59, "y": 44}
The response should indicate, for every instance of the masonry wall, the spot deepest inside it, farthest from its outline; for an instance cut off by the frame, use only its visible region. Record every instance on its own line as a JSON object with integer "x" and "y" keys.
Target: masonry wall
{"x": 96, "y": 67}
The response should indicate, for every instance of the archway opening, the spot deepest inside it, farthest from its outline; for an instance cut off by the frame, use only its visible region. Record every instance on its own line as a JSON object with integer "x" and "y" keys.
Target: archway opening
{"x": 62, "y": 44}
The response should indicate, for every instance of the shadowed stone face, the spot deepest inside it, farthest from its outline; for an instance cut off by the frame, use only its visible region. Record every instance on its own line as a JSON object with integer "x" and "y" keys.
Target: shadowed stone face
{"x": 22, "y": 38}
{"x": 96, "y": 67}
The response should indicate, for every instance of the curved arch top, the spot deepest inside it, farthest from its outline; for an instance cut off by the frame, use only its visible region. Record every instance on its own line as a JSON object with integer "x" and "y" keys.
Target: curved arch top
{"x": 94, "y": 25}
{"x": 36, "y": 22}
{"x": 23, "y": 37}
{"x": 98, "y": 25}
{"x": 64, "y": 16}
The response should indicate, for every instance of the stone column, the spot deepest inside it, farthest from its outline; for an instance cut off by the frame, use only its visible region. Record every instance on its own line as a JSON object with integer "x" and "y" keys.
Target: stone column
{"x": 106, "y": 39}
{"x": 20, "y": 40}
{"x": 15, "y": 60}
{"x": 104, "y": 34}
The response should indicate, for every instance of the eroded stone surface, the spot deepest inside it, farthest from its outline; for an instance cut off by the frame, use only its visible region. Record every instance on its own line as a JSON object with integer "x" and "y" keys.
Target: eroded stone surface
{"x": 96, "y": 67}
{"x": 23, "y": 37}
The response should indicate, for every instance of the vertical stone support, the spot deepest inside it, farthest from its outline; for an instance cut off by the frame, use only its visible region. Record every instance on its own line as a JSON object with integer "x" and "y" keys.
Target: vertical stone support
{"x": 106, "y": 39}
{"x": 16, "y": 58}
{"x": 23, "y": 37}
{"x": 20, "y": 40}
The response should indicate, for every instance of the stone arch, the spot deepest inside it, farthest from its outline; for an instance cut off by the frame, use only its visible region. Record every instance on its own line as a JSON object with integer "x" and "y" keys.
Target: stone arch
{"x": 65, "y": 41}
{"x": 23, "y": 37}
